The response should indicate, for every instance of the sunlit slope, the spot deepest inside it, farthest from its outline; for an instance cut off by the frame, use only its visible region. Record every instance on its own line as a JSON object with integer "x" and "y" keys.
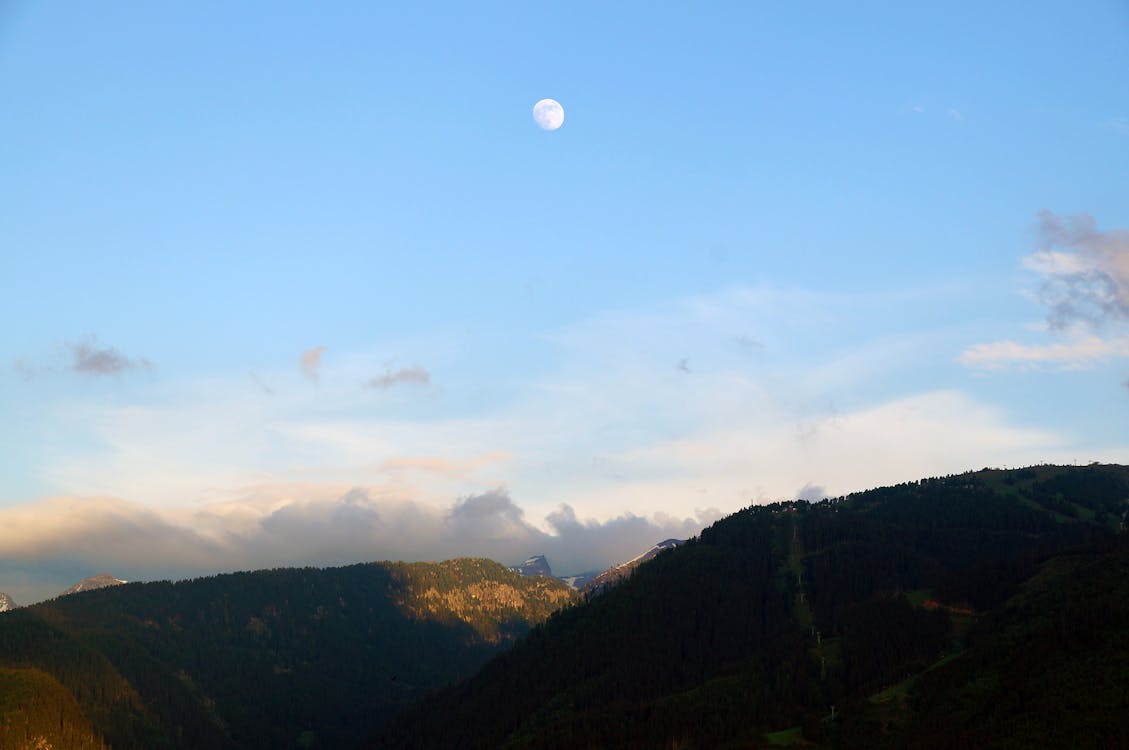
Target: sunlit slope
{"x": 778, "y": 618}
{"x": 37, "y": 712}
{"x": 278, "y": 658}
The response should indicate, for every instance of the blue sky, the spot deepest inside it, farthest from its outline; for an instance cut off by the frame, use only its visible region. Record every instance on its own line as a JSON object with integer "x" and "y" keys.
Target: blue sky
{"x": 274, "y": 261}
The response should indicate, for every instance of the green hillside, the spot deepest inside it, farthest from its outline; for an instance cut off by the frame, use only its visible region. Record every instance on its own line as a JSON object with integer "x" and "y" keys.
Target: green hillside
{"x": 1049, "y": 669}
{"x": 852, "y": 622}
{"x": 273, "y": 659}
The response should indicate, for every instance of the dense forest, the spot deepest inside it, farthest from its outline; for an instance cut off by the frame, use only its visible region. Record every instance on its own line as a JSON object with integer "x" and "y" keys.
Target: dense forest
{"x": 271, "y": 659}
{"x": 950, "y": 612}
{"x": 38, "y": 713}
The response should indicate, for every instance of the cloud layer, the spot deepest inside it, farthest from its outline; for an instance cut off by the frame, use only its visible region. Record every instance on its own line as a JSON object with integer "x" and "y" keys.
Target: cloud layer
{"x": 279, "y": 525}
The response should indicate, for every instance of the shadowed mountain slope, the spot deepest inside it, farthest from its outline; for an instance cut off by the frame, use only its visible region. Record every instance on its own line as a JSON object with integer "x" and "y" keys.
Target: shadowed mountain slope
{"x": 277, "y": 658}
{"x": 781, "y": 622}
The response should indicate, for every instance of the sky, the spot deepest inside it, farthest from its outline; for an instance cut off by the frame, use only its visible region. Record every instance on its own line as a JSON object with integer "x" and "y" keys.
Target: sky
{"x": 293, "y": 284}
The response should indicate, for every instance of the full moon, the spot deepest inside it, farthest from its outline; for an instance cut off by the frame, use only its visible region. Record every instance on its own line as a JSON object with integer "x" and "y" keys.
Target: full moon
{"x": 548, "y": 114}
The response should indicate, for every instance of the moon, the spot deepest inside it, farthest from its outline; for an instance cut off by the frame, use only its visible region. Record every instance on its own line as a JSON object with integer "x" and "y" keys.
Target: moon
{"x": 548, "y": 114}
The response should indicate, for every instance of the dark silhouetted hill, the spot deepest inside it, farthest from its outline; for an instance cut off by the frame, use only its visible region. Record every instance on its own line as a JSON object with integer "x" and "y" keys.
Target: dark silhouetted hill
{"x": 862, "y": 621}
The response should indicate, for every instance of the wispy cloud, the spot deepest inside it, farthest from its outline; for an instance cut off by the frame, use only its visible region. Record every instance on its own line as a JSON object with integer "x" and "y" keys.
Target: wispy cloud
{"x": 1077, "y": 353}
{"x": 406, "y": 375}
{"x": 25, "y": 369}
{"x": 438, "y": 465}
{"x": 954, "y": 114}
{"x": 89, "y": 358}
{"x": 1119, "y": 125}
{"x": 310, "y": 362}
{"x": 1084, "y": 286}
{"x": 747, "y": 342}
{"x": 266, "y": 389}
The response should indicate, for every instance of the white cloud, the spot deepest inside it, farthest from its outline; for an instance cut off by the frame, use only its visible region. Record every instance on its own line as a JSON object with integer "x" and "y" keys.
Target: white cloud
{"x": 1084, "y": 285}
{"x": 1074, "y": 354}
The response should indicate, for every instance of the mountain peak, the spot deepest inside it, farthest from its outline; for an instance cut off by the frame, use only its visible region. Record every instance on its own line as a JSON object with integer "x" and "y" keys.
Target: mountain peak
{"x": 536, "y": 565}
{"x": 624, "y": 569}
{"x": 100, "y": 581}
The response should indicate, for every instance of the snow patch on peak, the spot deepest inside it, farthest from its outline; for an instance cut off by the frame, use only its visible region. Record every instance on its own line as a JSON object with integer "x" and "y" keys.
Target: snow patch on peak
{"x": 536, "y": 565}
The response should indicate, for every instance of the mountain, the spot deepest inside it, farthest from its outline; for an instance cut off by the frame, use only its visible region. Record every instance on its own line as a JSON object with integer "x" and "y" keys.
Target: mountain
{"x": 619, "y": 572}
{"x": 314, "y": 658}
{"x": 580, "y": 580}
{"x": 6, "y": 602}
{"x": 987, "y": 609}
{"x": 535, "y": 566}
{"x": 100, "y": 581}
{"x": 538, "y": 565}
{"x": 36, "y": 711}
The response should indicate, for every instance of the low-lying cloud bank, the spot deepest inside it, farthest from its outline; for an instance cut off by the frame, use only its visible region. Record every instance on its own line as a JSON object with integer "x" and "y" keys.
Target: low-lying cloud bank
{"x": 44, "y": 543}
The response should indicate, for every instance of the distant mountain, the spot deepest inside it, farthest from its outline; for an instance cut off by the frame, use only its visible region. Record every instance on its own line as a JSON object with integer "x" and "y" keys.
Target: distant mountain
{"x": 986, "y": 609}
{"x": 621, "y": 571}
{"x": 6, "y": 602}
{"x": 100, "y": 581}
{"x": 538, "y": 565}
{"x": 535, "y": 566}
{"x": 314, "y": 658}
{"x": 580, "y": 580}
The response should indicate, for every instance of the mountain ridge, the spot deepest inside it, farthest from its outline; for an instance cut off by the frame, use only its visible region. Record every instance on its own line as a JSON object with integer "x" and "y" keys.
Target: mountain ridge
{"x": 782, "y": 623}
{"x": 273, "y": 658}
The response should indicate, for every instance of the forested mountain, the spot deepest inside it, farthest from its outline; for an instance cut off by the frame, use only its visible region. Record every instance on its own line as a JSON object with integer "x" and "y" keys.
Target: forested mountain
{"x": 958, "y": 611}
{"x": 37, "y": 713}
{"x": 270, "y": 659}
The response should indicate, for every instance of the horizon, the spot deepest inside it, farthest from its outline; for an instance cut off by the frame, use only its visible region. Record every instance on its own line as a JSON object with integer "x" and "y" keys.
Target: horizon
{"x": 38, "y": 593}
{"x": 292, "y": 286}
